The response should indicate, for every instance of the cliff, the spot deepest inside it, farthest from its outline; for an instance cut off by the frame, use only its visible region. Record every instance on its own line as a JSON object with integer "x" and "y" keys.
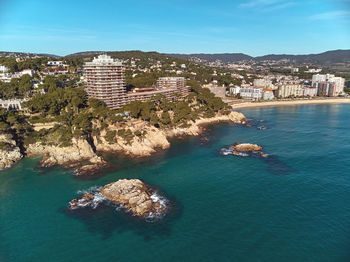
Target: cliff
{"x": 82, "y": 154}
{"x": 10, "y": 153}
{"x": 71, "y": 156}
{"x": 158, "y": 138}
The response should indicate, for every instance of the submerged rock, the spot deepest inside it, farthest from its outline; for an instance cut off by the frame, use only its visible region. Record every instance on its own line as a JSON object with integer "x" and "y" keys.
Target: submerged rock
{"x": 132, "y": 194}
{"x": 95, "y": 165}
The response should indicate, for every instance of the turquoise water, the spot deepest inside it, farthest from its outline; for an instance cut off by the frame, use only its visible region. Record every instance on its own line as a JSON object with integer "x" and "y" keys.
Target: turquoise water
{"x": 295, "y": 206}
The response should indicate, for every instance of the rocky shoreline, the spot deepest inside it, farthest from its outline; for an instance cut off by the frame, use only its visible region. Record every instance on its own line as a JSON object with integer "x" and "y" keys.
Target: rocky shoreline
{"x": 133, "y": 195}
{"x": 83, "y": 156}
{"x": 10, "y": 153}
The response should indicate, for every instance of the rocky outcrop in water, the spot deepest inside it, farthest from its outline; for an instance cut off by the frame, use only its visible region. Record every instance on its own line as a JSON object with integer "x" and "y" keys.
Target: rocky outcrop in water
{"x": 10, "y": 153}
{"x": 246, "y": 147}
{"x": 134, "y": 195}
{"x": 80, "y": 154}
{"x": 243, "y": 149}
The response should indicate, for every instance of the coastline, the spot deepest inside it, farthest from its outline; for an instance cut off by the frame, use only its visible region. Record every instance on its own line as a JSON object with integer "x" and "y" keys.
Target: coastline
{"x": 291, "y": 103}
{"x": 83, "y": 155}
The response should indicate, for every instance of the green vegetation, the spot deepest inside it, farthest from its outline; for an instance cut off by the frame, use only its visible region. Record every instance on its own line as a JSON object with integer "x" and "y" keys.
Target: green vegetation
{"x": 163, "y": 113}
{"x": 15, "y": 125}
{"x": 65, "y": 102}
{"x": 68, "y": 106}
{"x": 17, "y": 88}
{"x": 28, "y": 63}
{"x": 110, "y": 136}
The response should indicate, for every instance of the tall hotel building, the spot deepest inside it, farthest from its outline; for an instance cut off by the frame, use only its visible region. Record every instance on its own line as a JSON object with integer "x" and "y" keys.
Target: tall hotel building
{"x": 105, "y": 80}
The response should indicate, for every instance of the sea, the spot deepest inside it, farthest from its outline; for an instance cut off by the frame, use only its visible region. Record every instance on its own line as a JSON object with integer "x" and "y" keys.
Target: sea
{"x": 293, "y": 205}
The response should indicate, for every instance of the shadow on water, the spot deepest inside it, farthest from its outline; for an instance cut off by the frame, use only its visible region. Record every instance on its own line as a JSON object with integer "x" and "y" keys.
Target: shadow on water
{"x": 107, "y": 220}
{"x": 276, "y": 166}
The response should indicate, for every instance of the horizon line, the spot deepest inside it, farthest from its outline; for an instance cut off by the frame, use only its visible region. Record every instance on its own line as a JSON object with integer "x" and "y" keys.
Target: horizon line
{"x": 153, "y": 51}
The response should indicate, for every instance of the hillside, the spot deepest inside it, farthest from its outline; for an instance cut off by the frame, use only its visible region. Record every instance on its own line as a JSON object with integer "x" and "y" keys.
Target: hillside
{"x": 24, "y": 55}
{"x": 326, "y": 58}
{"x": 226, "y": 57}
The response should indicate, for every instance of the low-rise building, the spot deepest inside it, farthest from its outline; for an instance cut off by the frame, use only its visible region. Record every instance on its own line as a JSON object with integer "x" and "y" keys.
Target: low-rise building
{"x": 12, "y": 104}
{"x": 55, "y": 63}
{"x": 234, "y": 90}
{"x": 268, "y": 94}
{"x": 3, "y": 69}
{"x": 265, "y": 83}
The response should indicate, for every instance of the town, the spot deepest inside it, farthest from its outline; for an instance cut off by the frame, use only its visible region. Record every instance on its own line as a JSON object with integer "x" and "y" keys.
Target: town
{"x": 132, "y": 76}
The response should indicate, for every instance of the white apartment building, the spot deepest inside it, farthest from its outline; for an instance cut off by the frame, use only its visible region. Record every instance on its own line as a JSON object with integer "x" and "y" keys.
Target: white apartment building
{"x": 310, "y": 91}
{"x": 253, "y": 93}
{"x": 292, "y": 90}
{"x": 339, "y": 82}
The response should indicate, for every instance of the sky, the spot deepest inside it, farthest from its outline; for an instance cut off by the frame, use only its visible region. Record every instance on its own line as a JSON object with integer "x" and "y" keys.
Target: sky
{"x": 253, "y": 27}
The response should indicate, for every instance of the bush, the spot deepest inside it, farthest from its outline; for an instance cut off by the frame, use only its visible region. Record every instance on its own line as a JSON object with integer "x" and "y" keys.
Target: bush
{"x": 126, "y": 134}
{"x": 5, "y": 146}
{"x": 110, "y": 136}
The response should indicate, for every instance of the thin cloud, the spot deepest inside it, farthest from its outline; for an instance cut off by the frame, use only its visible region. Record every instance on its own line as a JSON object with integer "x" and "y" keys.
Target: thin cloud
{"x": 340, "y": 14}
{"x": 259, "y": 3}
{"x": 267, "y": 5}
{"x": 278, "y": 7}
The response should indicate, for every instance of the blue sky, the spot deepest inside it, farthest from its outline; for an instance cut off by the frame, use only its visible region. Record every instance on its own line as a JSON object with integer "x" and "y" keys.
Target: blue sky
{"x": 254, "y": 27}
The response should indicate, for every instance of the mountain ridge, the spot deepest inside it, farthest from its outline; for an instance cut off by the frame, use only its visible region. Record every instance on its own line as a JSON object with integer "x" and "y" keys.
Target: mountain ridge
{"x": 324, "y": 58}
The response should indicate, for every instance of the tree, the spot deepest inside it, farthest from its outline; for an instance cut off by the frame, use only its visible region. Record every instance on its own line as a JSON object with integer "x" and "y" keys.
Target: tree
{"x": 25, "y": 85}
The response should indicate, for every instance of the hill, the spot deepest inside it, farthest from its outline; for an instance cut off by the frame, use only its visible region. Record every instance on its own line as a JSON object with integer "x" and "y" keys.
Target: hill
{"x": 24, "y": 55}
{"x": 326, "y": 58}
{"x": 226, "y": 57}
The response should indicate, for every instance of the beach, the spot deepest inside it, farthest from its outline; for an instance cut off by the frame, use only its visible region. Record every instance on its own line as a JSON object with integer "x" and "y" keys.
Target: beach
{"x": 291, "y": 103}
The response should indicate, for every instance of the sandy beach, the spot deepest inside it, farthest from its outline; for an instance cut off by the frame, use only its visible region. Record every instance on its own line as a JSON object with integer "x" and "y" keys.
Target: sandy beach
{"x": 291, "y": 103}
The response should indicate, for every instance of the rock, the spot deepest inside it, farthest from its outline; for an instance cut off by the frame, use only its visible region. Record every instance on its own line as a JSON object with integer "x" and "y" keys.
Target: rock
{"x": 80, "y": 155}
{"x": 158, "y": 138}
{"x": 245, "y": 147}
{"x": 243, "y": 150}
{"x": 10, "y": 153}
{"x": 97, "y": 163}
{"x": 132, "y": 194}
{"x": 82, "y": 201}
{"x": 68, "y": 156}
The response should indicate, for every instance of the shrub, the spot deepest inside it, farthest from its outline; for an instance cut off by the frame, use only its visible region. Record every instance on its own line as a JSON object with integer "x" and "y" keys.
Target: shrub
{"x": 110, "y": 136}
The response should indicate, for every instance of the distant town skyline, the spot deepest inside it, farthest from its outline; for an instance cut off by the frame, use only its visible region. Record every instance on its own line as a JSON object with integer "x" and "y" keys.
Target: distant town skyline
{"x": 254, "y": 27}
